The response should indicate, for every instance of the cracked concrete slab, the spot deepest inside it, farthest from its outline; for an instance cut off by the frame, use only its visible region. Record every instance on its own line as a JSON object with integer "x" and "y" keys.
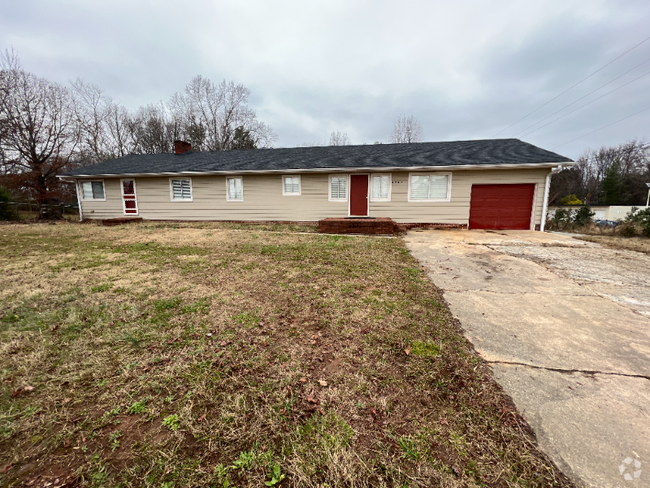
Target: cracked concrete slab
{"x": 559, "y": 332}
{"x": 587, "y": 443}
{"x": 547, "y": 302}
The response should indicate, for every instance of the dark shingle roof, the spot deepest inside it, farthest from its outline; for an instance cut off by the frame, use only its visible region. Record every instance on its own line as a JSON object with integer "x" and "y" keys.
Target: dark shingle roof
{"x": 423, "y": 154}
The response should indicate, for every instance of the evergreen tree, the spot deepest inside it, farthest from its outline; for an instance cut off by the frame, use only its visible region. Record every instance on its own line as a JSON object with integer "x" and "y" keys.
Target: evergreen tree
{"x": 613, "y": 185}
{"x": 242, "y": 139}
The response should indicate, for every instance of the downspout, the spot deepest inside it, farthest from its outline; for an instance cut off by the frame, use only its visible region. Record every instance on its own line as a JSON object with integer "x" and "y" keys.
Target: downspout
{"x": 81, "y": 213}
{"x": 547, "y": 187}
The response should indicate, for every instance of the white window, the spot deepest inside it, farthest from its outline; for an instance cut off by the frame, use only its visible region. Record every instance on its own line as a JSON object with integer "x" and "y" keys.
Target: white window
{"x": 93, "y": 190}
{"x": 291, "y": 185}
{"x": 234, "y": 189}
{"x": 380, "y": 188}
{"x": 181, "y": 189}
{"x": 338, "y": 188}
{"x": 429, "y": 187}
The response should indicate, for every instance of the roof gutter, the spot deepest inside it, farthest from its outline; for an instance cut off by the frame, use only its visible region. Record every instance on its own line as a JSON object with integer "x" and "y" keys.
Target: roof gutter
{"x": 464, "y": 167}
{"x": 547, "y": 187}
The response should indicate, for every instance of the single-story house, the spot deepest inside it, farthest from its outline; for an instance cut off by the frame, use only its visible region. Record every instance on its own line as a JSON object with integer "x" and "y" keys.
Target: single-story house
{"x": 493, "y": 184}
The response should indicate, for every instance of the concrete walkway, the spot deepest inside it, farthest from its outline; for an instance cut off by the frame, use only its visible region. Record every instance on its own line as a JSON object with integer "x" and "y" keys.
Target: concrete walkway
{"x": 566, "y": 327}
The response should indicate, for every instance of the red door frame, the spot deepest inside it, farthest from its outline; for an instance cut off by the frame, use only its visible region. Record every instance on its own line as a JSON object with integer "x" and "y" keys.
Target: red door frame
{"x": 352, "y": 178}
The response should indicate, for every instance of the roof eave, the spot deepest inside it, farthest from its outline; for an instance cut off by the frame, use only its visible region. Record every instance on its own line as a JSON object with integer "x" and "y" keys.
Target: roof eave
{"x": 327, "y": 170}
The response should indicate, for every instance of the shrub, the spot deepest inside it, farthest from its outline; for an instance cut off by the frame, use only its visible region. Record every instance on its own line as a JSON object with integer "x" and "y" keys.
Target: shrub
{"x": 568, "y": 219}
{"x": 570, "y": 200}
{"x": 561, "y": 218}
{"x": 626, "y": 229}
{"x": 7, "y": 211}
{"x": 636, "y": 217}
{"x": 584, "y": 216}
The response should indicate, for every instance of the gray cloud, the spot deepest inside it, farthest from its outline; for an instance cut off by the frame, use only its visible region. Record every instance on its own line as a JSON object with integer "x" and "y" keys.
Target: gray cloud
{"x": 465, "y": 70}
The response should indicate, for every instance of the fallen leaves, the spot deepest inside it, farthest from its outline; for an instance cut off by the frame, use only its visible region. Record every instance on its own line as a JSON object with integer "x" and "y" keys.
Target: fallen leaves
{"x": 25, "y": 389}
{"x": 407, "y": 351}
{"x": 322, "y": 382}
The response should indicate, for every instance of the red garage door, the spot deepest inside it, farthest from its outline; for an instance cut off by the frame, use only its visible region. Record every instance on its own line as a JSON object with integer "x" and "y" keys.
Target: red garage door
{"x": 501, "y": 206}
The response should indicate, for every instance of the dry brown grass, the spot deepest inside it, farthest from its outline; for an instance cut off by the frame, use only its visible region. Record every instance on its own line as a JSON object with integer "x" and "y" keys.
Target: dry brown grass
{"x": 210, "y": 355}
{"x": 639, "y": 244}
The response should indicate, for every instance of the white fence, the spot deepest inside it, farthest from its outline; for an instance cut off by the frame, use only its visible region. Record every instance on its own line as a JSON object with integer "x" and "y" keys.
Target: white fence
{"x": 602, "y": 212}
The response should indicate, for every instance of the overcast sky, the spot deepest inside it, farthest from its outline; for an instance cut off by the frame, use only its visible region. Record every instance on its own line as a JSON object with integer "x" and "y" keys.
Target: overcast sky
{"x": 464, "y": 69}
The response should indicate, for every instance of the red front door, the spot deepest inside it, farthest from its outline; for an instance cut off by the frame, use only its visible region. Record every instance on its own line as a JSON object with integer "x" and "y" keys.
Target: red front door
{"x": 359, "y": 195}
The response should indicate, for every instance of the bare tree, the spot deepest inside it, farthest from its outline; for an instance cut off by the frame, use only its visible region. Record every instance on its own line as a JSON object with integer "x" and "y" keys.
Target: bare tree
{"x": 628, "y": 164}
{"x": 92, "y": 111}
{"x": 338, "y": 138}
{"x": 37, "y": 127}
{"x": 152, "y": 129}
{"x": 119, "y": 125}
{"x": 406, "y": 130}
{"x": 208, "y": 115}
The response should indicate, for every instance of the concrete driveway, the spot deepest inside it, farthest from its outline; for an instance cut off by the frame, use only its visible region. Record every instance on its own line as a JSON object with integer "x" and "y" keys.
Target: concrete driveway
{"x": 566, "y": 327}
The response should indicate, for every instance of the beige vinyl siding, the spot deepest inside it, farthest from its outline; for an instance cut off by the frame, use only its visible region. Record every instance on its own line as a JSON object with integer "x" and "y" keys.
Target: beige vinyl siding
{"x": 456, "y": 211}
{"x": 98, "y": 209}
{"x": 263, "y": 199}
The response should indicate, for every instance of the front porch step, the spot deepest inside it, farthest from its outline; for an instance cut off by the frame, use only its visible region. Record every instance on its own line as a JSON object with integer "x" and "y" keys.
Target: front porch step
{"x": 351, "y": 225}
{"x": 120, "y": 220}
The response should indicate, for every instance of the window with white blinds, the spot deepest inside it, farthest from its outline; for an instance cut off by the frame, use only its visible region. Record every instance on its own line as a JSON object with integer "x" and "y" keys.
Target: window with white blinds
{"x": 181, "y": 189}
{"x": 235, "y": 189}
{"x": 432, "y": 187}
{"x": 93, "y": 190}
{"x": 339, "y": 188}
{"x": 380, "y": 188}
{"x": 291, "y": 185}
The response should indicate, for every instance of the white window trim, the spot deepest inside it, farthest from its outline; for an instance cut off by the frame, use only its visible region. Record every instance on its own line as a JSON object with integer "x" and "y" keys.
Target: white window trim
{"x": 532, "y": 212}
{"x": 390, "y": 187}
{"x": 81, "y": 191}
{"x": 430, "y": 173}
{"x": 329, "y": 188}
{"x": 135, "y": 196}
{"x": 228, "y": 199}
{"x": 283, "y": 186}
{"x": 171, "y": 189}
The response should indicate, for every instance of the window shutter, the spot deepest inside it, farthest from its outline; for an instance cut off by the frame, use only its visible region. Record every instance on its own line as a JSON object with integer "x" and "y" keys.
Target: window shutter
{"x": 181, "y": 189}
{"x": 419, "y": 187}
{"x": 338, "y": 190}
{"x": 438, "y": 187}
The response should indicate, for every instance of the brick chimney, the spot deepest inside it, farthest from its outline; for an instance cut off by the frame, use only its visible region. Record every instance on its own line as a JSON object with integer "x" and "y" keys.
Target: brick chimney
{"x": 181, "y": 147}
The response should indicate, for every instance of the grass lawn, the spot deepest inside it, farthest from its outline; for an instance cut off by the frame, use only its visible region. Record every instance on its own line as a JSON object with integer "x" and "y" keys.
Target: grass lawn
{"x": 175, "y": 355}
